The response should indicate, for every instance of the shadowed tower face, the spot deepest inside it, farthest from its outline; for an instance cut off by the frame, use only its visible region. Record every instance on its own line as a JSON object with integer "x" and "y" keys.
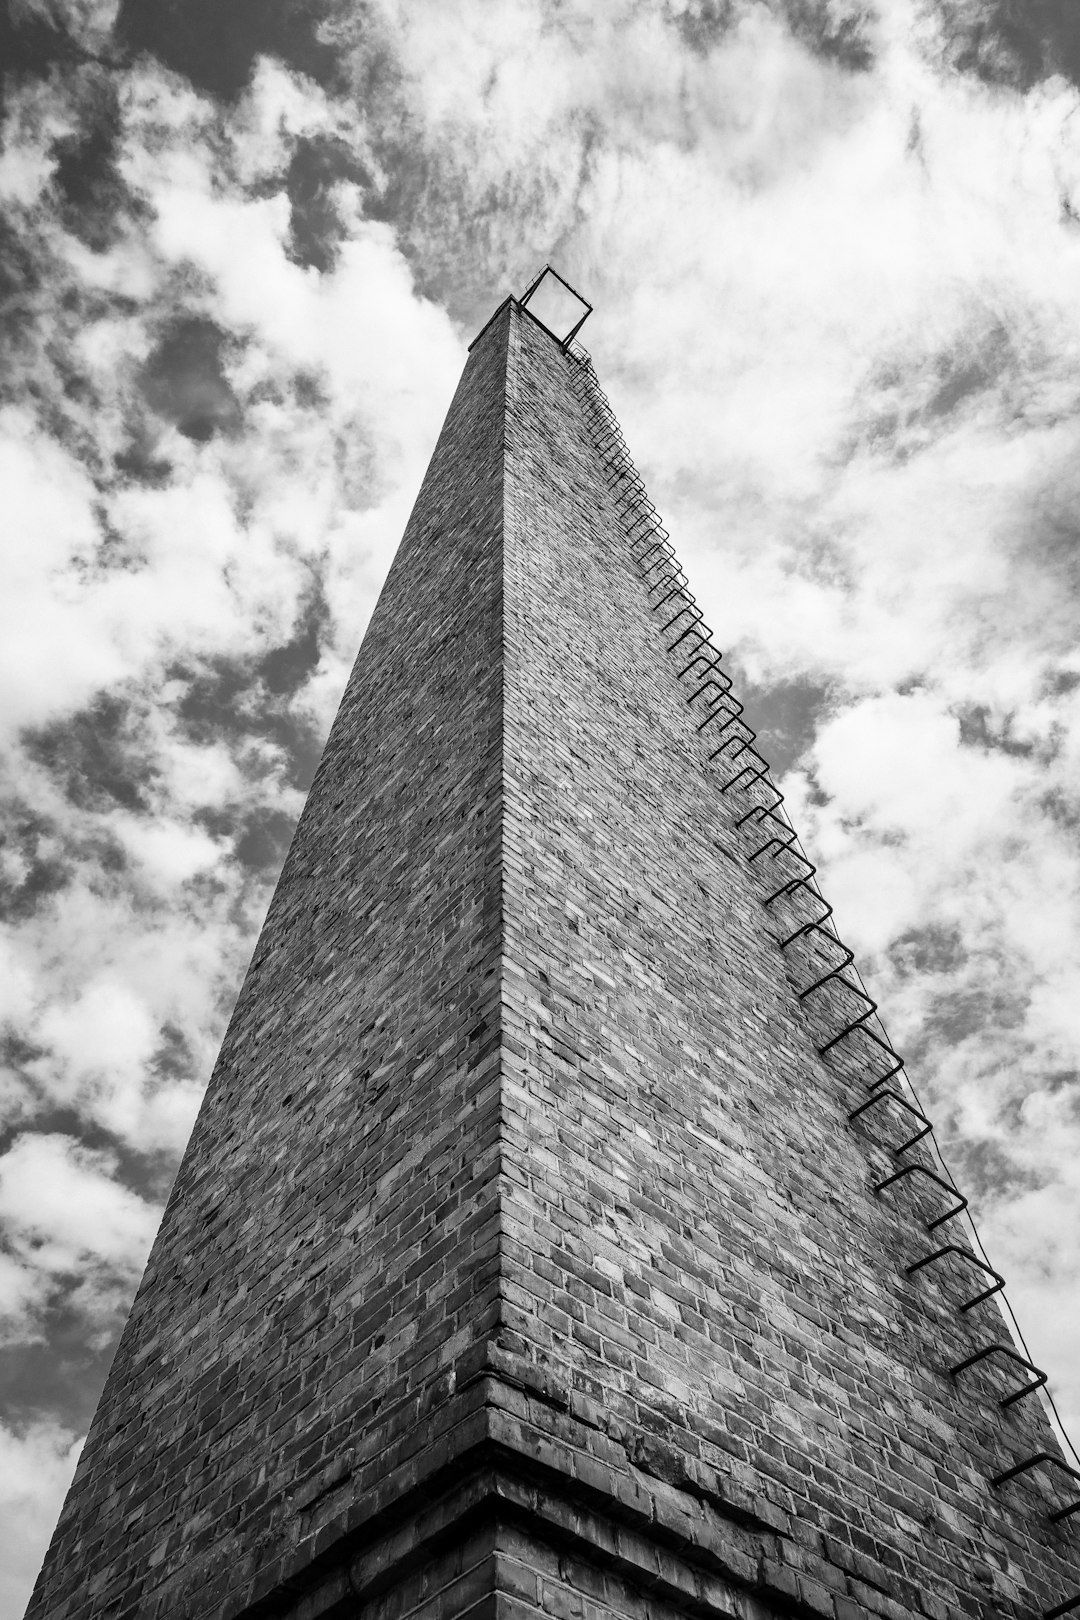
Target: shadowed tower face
{"x": 524, "y": 1258}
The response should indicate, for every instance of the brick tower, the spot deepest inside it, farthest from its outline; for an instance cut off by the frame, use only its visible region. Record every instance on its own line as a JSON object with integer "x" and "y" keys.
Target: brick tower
{"x": 558, "y": 1236}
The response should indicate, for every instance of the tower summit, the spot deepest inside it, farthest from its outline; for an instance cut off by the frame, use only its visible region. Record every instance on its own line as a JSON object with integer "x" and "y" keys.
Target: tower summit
{"x": 558, "y": 1236}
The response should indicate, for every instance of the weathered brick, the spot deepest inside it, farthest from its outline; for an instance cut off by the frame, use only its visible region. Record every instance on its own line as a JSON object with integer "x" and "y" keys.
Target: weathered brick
{"x": 519, "y": 1150}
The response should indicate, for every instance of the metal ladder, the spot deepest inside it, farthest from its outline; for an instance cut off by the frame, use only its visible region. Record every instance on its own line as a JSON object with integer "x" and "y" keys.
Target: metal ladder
{"x": 859, "y": 1040}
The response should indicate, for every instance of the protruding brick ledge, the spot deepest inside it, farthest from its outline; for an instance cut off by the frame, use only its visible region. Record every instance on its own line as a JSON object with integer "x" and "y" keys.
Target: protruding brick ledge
{"x": 507, "y": 1458}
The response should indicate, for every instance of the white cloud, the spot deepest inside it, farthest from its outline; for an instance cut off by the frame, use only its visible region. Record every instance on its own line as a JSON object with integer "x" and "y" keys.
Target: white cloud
{"x": 23, "y": 1292}
{"x": 101, "y": 973}
{"x": 46, "y": 655}
{"x": 36, "y": 1465}
{"x": 63, "y": 1198}
{"x": 16, "y": 981}
{"x": 106, "y": 1030}
{"x": 169, "y": 853}
{"x": 376, "y": 343}
{"x": 65, "y": 1214}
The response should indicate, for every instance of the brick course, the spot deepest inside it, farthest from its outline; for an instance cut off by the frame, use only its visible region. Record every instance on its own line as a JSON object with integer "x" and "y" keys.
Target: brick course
{"x": 522, "y": 1261}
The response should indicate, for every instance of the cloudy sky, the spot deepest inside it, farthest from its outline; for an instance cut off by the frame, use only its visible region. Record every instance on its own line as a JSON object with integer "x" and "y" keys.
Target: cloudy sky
{"x": 835, "y": 257}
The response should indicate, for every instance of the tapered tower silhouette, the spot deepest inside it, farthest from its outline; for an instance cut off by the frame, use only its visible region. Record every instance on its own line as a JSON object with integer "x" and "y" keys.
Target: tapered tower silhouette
{"x": 558, "y": 1236}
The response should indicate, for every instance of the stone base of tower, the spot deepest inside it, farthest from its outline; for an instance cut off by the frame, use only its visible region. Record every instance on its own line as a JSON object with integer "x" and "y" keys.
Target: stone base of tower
{"x": 486, "y": 1550}
{"x": 510, "y": 1503}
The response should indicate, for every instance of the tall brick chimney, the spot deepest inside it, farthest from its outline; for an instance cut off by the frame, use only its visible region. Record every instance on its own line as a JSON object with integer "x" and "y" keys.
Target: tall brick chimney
{"x": 526, "y": 1259}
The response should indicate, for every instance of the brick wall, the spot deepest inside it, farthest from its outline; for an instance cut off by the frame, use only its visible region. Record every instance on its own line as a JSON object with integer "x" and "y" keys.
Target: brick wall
{"x": 330, "y": 1245}
{"x": 523, "y": 1261}
{"x": 693, "y": 1250}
